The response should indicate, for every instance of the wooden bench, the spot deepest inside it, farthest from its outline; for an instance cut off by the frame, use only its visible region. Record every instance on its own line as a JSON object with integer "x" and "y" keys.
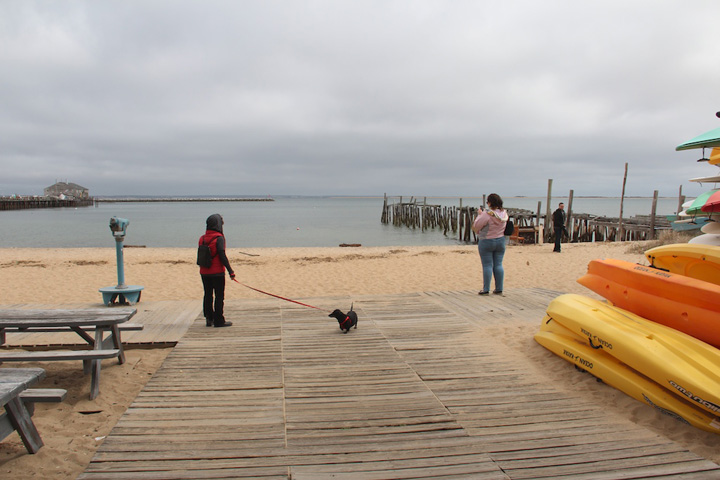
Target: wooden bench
{"x": 515, "y": 236}
{"x": 19, "y": 404}
{"x": 527, "y": 234}
{"x": 91, "y": 361}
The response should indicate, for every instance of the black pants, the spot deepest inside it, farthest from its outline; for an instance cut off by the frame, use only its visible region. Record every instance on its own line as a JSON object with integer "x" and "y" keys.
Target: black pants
{"x": 214, "y": 284}
{"x": 558, "y": 238}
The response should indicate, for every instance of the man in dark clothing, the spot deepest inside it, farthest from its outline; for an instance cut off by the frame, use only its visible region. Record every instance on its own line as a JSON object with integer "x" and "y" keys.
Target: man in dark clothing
{"x": 559, "y": 225}
{"x": 213, "y": 277}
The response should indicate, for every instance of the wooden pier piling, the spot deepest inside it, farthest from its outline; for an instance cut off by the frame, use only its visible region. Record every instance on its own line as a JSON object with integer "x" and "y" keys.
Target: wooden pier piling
{"x": 456, "y": 221}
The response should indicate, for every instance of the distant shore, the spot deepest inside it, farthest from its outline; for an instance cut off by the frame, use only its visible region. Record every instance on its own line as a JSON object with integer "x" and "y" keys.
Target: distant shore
{"x": 180, "y": 199}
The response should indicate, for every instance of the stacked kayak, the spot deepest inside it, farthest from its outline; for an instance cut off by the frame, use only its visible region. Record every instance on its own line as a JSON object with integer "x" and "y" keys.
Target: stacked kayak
{"x": 692, "y": 260}
{"x": 656, "y": 338}
{"x": 655, "y": 364}
{"x": 683, "y": 303}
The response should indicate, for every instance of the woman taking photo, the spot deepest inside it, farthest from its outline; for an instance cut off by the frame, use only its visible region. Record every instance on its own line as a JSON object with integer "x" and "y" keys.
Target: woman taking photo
{"x": 492, "y": 246}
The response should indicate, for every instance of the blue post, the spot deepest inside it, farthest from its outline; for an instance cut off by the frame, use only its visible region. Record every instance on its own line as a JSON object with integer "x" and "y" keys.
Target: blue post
{"x": 120, "y": 262}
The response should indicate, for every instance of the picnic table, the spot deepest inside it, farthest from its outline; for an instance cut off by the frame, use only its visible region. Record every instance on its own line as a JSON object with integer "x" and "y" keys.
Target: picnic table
{"x": 18, "y": 400}
{"x": 105, "y": 343}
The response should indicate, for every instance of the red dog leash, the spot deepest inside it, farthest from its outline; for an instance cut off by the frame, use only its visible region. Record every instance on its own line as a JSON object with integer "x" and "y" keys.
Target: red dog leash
{"x": 277, "y": 296}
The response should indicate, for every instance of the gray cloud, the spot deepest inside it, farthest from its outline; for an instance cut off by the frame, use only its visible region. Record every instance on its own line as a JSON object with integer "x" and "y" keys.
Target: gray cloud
{"x": 326, "y": 97}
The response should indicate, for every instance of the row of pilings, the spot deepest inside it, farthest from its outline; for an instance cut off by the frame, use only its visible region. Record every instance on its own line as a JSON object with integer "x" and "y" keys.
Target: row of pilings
{"x": 531, "y": 227}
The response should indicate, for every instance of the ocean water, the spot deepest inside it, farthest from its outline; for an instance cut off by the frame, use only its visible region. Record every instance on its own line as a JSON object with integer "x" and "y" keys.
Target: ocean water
{"x": 285, "y": 222}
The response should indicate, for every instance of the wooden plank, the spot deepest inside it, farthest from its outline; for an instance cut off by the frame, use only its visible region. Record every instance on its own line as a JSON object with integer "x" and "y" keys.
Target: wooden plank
{"x": 123, "y": 327}
{"x": 43, "y": 395}
{"x": 26, "y": 376}
{"x": 94, "y": 316}
{"x": 51, "y": 355}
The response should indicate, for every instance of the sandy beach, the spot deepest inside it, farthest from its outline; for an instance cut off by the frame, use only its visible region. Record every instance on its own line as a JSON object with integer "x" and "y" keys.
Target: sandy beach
{"x": 73, "y": 430}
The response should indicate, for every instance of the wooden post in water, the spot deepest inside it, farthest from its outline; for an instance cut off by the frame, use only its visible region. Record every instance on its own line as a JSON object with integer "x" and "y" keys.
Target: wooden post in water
{"x": 621, "y": 233}
{"x": 383, "y": 217}
{"x": 652, "y": 215}
{"x": 681, "y": 200}
{"x": 460, "y": 224}
{"x": 539, "y": 236}
{"x": 568, "y": 222}
{"x": 548, "y": 218}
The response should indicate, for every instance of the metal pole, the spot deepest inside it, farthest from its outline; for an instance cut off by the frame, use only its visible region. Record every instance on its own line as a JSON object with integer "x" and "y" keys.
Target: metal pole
{"x": 120, "y": 263}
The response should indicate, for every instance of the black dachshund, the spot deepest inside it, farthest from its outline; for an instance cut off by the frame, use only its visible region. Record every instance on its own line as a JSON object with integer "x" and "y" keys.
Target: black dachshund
{"x": 346, "y": 321}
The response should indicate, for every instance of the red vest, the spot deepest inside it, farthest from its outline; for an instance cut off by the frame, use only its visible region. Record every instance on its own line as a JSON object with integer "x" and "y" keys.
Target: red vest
{"x": 210, "y": 239}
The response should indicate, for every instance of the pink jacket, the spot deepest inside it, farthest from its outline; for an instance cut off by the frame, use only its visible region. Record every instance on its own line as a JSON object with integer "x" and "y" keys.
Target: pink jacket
{"x": 495, "y": 219}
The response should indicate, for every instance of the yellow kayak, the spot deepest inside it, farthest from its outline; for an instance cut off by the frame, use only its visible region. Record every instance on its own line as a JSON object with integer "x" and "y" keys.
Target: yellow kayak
{"x": 678, "y": 362}
{"x": 573, "y": 348}
{"x": 698, "y": 261}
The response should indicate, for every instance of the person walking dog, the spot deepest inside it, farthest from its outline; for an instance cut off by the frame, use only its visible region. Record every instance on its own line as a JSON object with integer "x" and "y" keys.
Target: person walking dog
{"x": 213, "y": 275}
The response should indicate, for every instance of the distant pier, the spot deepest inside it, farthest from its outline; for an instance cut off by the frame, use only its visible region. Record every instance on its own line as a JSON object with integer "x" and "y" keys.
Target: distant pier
{"x": 181, "y": 199}
{"x": 24, "y": 203}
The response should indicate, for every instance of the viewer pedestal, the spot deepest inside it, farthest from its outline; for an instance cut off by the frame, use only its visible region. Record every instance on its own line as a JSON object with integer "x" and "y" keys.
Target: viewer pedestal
{"x": 127, "y": 295}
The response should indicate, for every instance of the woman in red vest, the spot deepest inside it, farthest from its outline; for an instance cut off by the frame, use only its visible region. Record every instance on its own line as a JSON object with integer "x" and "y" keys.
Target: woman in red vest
{"x": 213, "y": 277}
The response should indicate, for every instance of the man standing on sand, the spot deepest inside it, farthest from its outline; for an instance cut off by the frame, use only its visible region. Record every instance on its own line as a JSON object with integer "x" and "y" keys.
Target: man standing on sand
{"x": 559, "y": 225}
{"x": 213, "y": 277}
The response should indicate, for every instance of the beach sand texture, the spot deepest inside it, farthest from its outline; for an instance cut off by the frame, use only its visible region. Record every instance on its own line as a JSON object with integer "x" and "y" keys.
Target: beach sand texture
{"x": 73, "y": 429}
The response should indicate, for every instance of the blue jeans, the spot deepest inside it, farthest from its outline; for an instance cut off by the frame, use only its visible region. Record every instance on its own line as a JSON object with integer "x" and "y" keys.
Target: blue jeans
{"x": 492, "y": 251}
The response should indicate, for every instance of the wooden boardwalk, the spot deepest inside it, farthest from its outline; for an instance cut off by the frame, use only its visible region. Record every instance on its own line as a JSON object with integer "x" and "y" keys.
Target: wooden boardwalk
{"x": 422, "y": 389}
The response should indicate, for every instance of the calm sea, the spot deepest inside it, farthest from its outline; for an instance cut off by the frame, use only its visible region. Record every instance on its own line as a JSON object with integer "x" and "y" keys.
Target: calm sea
{"x": 285, "y": 222}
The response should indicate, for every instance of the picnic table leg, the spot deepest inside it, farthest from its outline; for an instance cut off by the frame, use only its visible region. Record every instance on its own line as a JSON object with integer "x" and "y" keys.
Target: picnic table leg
{"x": 113, "y": 338}
{"x": 117, "y": 341}
{"x": 21, "y": 421}
{"x": 95, "y": 379}
{"x": 95, "y": 365}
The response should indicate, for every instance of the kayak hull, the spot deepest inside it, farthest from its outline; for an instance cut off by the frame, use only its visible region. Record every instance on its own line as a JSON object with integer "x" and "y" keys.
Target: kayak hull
{"x": 572, "y": 348}
{"x": 687, "y": 367}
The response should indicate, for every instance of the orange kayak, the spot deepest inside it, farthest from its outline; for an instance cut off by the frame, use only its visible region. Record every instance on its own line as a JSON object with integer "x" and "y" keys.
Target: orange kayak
{"x": 686, "y": 304}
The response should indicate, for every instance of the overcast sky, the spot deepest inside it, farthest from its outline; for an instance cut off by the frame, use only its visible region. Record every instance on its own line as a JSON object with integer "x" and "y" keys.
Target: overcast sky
{"x": 412, "y": 97}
